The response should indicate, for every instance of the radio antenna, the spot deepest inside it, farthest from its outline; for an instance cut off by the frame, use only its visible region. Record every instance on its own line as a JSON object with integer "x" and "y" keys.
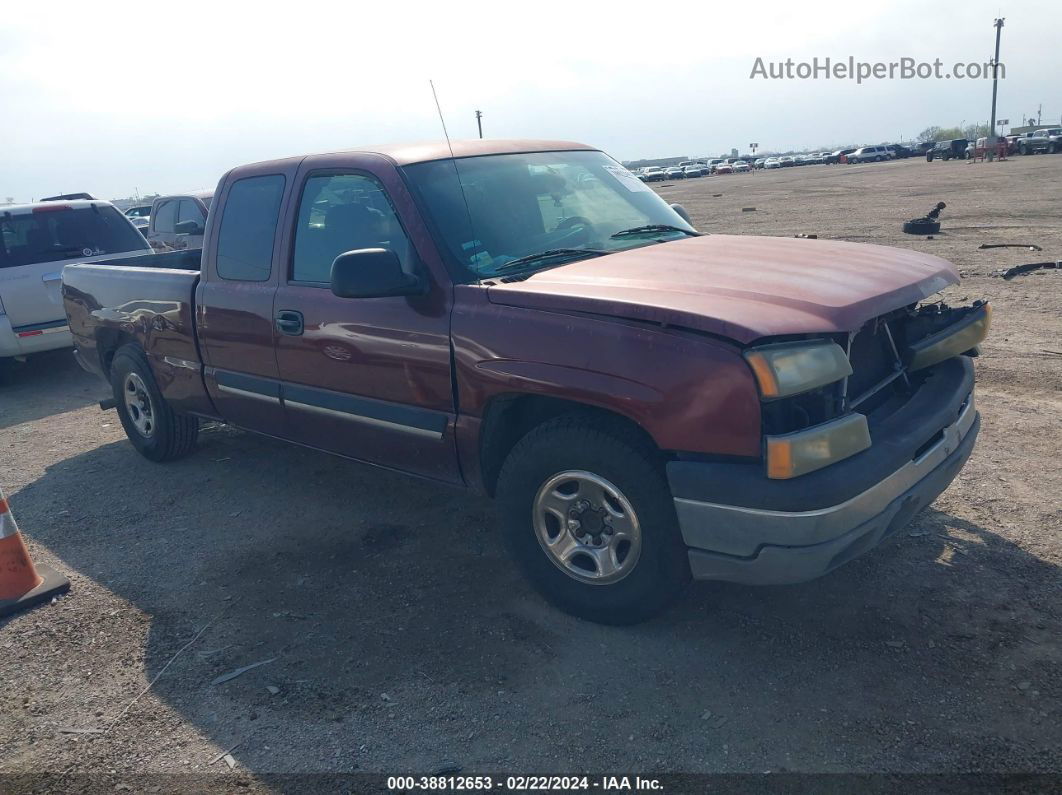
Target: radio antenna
{"x": 442, "y": 120}
{"x": 473, "y": 245}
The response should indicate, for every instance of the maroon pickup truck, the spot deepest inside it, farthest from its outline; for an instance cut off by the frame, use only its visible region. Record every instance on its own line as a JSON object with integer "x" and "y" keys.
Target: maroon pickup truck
{"x": 529, "y": 320}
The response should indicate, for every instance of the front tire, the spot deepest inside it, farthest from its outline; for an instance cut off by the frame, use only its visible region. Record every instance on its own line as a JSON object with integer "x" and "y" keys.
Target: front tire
{"x": 588, "y": 516}
{"x": 156, "y": 431}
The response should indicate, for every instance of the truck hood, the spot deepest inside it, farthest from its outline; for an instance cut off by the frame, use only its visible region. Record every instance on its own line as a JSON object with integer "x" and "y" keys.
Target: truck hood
{"x": 740, "y": 287}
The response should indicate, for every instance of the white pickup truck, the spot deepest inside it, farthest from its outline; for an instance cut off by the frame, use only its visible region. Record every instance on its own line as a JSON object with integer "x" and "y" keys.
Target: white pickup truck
{"x": 36, "y": 240}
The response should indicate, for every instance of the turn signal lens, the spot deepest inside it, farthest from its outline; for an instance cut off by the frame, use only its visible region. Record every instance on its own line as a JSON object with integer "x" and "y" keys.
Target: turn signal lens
{"x": 794, "y": 454}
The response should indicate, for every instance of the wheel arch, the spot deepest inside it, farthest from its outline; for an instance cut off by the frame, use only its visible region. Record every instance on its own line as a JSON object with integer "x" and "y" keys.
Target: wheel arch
{"x": 508, "y": 418}
{"x": 108, "y": 343}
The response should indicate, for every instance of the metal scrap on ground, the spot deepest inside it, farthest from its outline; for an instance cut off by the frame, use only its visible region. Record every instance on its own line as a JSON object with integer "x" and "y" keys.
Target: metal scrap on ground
{"x": 240, "y": 671}
{"x": 1030, "y": 246}
{"x": 1020, "y": 270}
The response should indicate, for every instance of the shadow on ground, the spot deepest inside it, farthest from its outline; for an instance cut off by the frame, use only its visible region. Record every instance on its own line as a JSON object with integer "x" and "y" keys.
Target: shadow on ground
{"x": 402, "y": 636}
{"x": 56, "y": 376}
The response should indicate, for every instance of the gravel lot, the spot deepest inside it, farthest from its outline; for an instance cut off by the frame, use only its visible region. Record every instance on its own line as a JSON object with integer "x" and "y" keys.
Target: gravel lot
{"x": 400, "y": 638}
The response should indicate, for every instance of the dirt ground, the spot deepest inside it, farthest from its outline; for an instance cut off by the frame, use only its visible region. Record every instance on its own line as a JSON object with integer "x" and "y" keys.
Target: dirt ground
{"x": 399, "y": 637}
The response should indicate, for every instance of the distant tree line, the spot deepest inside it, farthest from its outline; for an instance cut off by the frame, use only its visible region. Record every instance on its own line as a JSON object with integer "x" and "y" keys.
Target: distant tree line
{"x": 971, "y": 132}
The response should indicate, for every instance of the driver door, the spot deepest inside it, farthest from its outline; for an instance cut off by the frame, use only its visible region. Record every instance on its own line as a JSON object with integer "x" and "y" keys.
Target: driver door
{"x": 368, "y": 378}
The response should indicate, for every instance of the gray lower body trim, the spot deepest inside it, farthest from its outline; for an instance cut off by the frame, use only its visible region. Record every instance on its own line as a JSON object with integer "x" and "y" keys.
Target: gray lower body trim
{"x": 757, "y": 546}
{"x": 369, "y": 412}
{"x": 363, "y": 420}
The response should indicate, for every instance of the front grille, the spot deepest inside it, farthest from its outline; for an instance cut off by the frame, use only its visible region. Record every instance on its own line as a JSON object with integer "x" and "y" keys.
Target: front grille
{"x": 878, "y": 373}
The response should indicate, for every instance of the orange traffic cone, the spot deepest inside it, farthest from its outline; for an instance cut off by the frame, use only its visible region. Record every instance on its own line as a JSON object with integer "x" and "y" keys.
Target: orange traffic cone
{"x": 22, "y": 584}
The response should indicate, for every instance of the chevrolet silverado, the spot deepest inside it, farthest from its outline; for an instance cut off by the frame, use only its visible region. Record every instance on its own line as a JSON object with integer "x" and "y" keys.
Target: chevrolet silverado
{"x": 530, "y": 320}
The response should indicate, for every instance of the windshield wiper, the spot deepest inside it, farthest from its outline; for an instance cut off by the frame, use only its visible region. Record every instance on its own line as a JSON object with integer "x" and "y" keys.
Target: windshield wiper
{"x": 543, "y": 256}
{"x": 650, "y": 228}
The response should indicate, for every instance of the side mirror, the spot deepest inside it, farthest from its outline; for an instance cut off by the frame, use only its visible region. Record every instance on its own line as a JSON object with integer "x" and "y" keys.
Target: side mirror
{"x": 188, "y": 228}
{"x": 373, "y": 273}
{"x": 685, "y": 216}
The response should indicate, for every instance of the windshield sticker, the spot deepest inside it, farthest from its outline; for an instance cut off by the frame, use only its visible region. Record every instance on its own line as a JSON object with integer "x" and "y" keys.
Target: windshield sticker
{"x": 626, "y": 178}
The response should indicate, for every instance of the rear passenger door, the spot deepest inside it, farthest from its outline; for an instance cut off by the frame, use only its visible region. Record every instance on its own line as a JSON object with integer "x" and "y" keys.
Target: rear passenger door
{"x": 366, "y": 378}
{"x": 234, "y": 306}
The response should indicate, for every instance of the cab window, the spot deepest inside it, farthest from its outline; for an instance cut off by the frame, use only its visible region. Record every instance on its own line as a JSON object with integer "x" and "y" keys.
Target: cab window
{"x": 340, "y": 213}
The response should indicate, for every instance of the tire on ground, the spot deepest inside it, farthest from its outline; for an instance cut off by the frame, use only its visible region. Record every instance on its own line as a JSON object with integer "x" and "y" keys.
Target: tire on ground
{"x": 173, "y": 435}
{"x": 921, "y": 226}
{"x": 619, "y": 455}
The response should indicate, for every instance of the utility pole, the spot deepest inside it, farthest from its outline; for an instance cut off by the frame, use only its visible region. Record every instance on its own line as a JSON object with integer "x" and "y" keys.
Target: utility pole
{"x": 998, "y": 24}
{"x": 479, "y": 122}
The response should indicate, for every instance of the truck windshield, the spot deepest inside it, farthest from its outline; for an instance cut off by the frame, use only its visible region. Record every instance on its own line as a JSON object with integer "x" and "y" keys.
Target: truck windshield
{"x": 520, "y": 205}
{"x": 52, "y": 234}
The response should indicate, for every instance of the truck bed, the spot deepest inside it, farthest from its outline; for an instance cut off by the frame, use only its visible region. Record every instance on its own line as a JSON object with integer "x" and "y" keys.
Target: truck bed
{"x": 186, "y": 259}
{"x": 146, "y": 299}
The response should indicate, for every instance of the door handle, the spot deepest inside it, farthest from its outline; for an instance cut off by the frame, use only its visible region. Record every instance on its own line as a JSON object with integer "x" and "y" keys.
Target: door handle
{"x": 289, "y": 322}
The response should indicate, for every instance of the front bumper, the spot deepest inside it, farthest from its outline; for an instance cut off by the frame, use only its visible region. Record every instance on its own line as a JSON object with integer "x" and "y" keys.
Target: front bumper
{"x": 768, "y": 545}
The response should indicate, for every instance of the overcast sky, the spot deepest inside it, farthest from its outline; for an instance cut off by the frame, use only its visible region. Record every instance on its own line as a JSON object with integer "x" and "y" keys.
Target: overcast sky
{"x": 162, "y": 97}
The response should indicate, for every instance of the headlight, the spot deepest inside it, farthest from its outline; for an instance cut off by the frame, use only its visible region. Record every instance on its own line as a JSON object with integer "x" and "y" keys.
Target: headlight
{"x": 789, "y": 368}
{"x": 953, "y": 340}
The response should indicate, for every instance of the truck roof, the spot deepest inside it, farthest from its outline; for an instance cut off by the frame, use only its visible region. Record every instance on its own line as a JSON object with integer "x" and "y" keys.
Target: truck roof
{"x": 407, "y": 154}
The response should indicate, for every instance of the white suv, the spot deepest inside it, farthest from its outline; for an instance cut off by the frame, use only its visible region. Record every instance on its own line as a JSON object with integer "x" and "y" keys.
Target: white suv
{"x": 869, "y": 154}
{"x": 36, "y": 240}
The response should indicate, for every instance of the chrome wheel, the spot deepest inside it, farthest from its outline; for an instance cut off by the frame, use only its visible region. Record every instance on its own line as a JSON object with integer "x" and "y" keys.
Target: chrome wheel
{"x": 138, "y": 405}
{"x": 587, "y": 528}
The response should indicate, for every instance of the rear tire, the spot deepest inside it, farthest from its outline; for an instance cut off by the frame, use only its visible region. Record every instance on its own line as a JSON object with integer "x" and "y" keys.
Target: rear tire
{"x": 631, "y": 561}
{"x": 156, "y": 431}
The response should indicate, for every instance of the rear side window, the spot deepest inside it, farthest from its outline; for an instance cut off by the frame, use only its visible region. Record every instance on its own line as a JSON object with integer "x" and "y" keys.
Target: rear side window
{"x": 248, "y": 226}
{"x": 165, "y": 218}
{"x": 54, "y": 234}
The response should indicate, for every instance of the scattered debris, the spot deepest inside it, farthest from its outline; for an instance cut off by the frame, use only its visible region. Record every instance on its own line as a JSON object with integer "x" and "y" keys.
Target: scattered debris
{"x": 895, "y": 644}
{"x": 806, "y": 236}
{"x": 212, "y": 652}
{"x": 918, "y": 533}
{"x": 706, "y": 714}
{"x": 748, "y": 209}
{"x": 227, "y": 753}
{"x": 273, "y": 690}
{"x": 1021, "y": 270}
{"x": 447, "y": 767}
{"x": 230, "y": 760}
{"x": 927, "y": 225}
{"x": 240, "y": 671}
{"x": 1030, "y": 246}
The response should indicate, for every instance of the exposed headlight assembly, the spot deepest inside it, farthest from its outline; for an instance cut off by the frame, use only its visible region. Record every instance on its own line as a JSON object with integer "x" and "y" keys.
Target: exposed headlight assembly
{"x": 954, "y": 340}
{"x": 789, "y": 368}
